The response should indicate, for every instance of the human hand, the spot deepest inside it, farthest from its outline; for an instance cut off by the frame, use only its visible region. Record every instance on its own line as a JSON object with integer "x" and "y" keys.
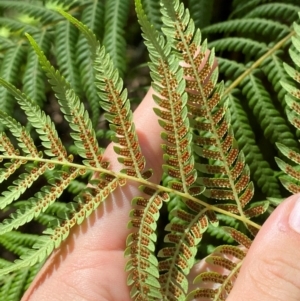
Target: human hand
{"x": 90, "y": 263}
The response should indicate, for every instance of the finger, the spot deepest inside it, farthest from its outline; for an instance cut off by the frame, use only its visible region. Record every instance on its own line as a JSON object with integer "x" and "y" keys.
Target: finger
{"x": 272, "y": 266}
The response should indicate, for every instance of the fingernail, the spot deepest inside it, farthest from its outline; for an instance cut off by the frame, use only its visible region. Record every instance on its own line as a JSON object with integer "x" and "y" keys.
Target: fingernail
{"x": 294, "y": 219}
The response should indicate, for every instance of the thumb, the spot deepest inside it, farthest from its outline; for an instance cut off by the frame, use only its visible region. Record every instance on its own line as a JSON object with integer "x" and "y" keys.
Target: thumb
{"x": 271, "y": 270}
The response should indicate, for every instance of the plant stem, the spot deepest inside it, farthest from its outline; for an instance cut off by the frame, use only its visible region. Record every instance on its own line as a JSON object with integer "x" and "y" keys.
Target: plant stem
{"x": 138, "y": 180}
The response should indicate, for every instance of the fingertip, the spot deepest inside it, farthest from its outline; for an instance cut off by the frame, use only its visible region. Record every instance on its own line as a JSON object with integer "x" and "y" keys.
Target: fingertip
{"x": 270, "y": 269}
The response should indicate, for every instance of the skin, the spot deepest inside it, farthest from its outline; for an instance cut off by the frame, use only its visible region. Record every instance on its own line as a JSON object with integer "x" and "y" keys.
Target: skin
{"x": 90, "y": 263}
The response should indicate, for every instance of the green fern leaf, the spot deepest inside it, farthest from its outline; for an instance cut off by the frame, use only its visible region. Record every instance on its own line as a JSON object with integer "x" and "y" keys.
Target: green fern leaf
{"x": 152, "y": 10}
{"x": 227, "y": 259}
{"x": 74, "y": 111}
{"x": 255, "y": 26}
{"x": 140, "y": 246}
{"x": 114, "y": 100}
{"x": 41, "y": 122}
{"x": 201, "y": 12}
{"x": 10, "y": 67}
{"x": 286, "y": 12}
{"x": 38, "y": 12}
{"x": 33, "y": 80}
{"x": 66, "y": 37}
{"x": 93, "y": 17}
{"x": 17, "y": 26}
{"x": 116, "y": 14}
{"x": 260, "y": 169}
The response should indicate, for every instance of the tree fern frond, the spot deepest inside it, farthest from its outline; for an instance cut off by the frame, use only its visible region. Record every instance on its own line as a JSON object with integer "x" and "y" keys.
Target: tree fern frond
{"x": 10, "y": 67}
{"x": 7, "y": 148}
{"x": 6, "y": 43}
{"x": 17, "y": 286}
{"x": 291, "y": 182}
{"x": 252, "y": 88}
{"x": 33, "y": 80}
{"x": 21, "y": 184}
{"x": 261, "y": 104}
{"x": 227, "y": 260}
{"x": 171, "y": 99}
{"x": 273, "y": 69}
{"x": 214, "y": 137}
{"x": 179, "y": 164}
{"x": 93, "y": 17}
{"x": 38, "y": 12}
{"x": 284, "y": 12}
{"x": 53, "y": 237}
{"x": 217, "y": 137}
{"x": 114, "y": 100}
{"x": 33, "y": 270}
{"x": 242, "y": 8}
{"x": 254, "y": 26}
{"x": 152, "y": 10}
{"x": 17, "y": 242}
{"x": 260, "y": 169}
{"x": 201, "y": 12}
{"x": 14, "y": 285}
{"x": 39, "y": 203}
{"x": 17, "y": 26}
{"x": 66, "y": 37}
{"x": 248, "y": 47}
{"x": 74, "y": 111}
{"x": 41, "y": 122}
{"x": 116, "y": 14}
{"x": 140, "y": 246}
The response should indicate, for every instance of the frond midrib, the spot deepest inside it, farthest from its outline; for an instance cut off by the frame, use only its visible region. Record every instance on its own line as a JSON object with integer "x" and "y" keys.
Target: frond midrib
{"x": 134, "y": 179}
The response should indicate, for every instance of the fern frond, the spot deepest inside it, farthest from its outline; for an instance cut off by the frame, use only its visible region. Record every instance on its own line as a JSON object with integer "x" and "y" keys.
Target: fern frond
{"x": 74, "y": 111}
{"x": 38, "y": 12}
{"x": 39, "y": 203}
{"x": 16, "y": 287}
{"x": 291, "y": 181}
{"x": 179, "y": 163}
{"x": 116, "y": 14}
{"x": 214, "y": 137}
{"x": 140, "y": 246}
{"x": 17, "y": 242}
{"x": 201, "y": 12}
{"x": 242, "y": 8}
{"x": 93, "y": 17}
{"x": 66, "y": 37}
{"x": 6, "y": 43}
{"x": 227, "y": 260}
{"x": 284, "y": 12}
{"x": 10, "y": 69}
{"x": 273, "y": 69}
{"x": 17, "y": 26}
{"x": 114, "y": 100}
{"x": 152, "y": 10}
{"x": 255, "y": 91}
{"x": 55, "y": 213}
{"x": 206, "y": 180}
{"x": 33, "y": 80}
{"x": 248, "y": 47}
{"x": 255, "y": 26}
{"x": 41, "y": 122}
{"x": 260, "y": 169}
